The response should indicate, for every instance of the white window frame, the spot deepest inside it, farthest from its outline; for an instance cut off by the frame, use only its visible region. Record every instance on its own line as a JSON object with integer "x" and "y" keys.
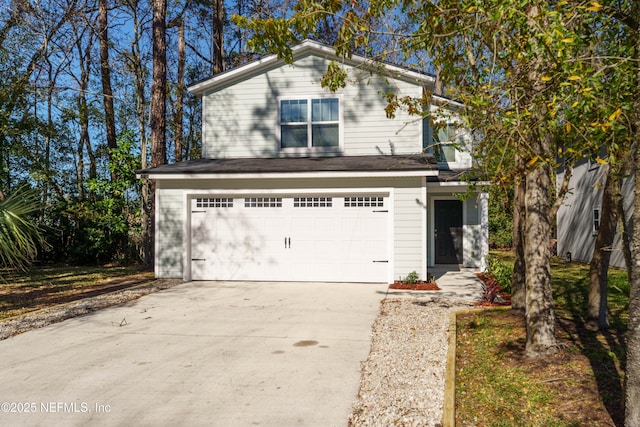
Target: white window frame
{"x": 450, "y": 127}
{"x": 309, "y": 149}
{"x": 595, "y": 220}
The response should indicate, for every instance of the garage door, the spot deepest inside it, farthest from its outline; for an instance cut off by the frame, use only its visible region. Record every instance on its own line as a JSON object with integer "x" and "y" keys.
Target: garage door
{"x": 290, "y": 238}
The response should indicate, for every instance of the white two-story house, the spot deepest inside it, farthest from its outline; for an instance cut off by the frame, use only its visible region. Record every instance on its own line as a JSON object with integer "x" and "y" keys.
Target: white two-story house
{"x": 298, "y": 183}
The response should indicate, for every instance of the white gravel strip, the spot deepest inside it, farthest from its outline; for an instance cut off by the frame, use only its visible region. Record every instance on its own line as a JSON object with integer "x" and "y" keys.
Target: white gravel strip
{"x": 403, "y": 378}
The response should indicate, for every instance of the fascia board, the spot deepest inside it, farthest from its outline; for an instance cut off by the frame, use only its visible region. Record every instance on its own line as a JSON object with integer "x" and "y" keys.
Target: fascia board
{"x": 285, "y": 175}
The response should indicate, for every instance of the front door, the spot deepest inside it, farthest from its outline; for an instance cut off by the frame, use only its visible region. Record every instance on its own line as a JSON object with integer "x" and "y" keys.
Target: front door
{"x": 448, "y": 231}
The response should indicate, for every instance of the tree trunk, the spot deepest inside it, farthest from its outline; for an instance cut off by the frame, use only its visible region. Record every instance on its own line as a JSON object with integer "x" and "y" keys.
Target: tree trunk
{"x": 158, "y": 103}
{"x": 158, "y": 85}
{"x": 518, "y": 281}
{"x": 218, "y": 36}
{"x": 540, "y": 317}
{"x": 83, "y": 112}
{"x": 597, "y": 307}
{"x": 632, "y": 374}
{"x": 624, "y": 226}
{"x": 105, "y": 73}
{"x": 178, "y": 119}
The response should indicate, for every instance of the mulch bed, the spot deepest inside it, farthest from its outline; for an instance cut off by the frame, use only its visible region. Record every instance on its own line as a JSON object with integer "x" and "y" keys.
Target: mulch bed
{"x": 417, "y": 286}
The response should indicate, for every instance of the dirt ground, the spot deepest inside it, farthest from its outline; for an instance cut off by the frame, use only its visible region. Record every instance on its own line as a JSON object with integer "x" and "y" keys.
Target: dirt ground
{"x": 58, "y": 307}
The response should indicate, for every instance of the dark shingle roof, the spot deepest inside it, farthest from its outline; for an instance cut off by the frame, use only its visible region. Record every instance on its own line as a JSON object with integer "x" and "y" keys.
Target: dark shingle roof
{"x": 298, "y": 164}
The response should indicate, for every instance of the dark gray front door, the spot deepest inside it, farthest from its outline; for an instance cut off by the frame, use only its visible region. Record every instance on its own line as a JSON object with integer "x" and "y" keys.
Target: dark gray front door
{"x": 448, "y": 231}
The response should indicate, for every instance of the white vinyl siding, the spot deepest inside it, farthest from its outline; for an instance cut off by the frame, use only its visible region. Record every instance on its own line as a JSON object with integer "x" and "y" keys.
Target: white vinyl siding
{"x": 409, "y": 250}
{"x": 169, "y": 233}
{"x": 241, "y": 120}
{"x": 575, "y": 218}
{"x": 473, "y": 239}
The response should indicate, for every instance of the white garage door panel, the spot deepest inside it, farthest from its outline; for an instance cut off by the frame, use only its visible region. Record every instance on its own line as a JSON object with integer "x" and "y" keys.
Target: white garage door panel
{"x": 309, "y": 239}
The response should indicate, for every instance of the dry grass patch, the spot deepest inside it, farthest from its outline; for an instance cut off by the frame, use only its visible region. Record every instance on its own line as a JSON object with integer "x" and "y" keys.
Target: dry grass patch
{"x": 580, "y": 385}
{"x": 497, "y": 385}
{"x": 42, "y": 287}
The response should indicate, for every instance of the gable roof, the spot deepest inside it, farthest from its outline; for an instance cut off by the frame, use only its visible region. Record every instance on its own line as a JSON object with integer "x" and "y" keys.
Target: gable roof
{"x": 309, "y": 47}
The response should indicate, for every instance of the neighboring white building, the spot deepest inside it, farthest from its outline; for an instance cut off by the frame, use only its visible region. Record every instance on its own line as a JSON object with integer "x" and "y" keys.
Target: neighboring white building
{"x": 298, "y": 183}
{"x": 578, "y": 217}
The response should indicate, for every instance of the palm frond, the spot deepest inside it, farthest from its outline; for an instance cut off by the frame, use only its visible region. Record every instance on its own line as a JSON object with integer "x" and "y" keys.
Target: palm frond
{"x": 20, "y": 237}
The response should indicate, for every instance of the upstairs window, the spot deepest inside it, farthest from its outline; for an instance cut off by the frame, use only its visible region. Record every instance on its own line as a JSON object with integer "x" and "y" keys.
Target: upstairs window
{"x": 596, "y": 221}
{"x": 310, "y": 123}
{"x": 443, "y": 138}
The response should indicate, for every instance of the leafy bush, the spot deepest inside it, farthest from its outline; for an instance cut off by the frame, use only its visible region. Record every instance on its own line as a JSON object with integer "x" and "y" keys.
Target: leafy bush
{"x": 500, "y": 217}
{"x": 500, "y": 272}
{"x": 412, "y": 278}
{"x": 491, "y": 288}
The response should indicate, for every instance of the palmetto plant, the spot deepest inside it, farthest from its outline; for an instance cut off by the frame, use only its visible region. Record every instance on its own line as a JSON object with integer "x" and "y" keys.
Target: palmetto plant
{"x": 20, "y": 236}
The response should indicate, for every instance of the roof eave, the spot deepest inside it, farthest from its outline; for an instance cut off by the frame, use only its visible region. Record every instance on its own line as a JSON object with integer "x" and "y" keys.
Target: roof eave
{"x": 285, "y": 175}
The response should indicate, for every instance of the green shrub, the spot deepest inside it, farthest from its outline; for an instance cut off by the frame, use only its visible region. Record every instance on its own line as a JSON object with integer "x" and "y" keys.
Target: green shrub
{"x": 412, "y": 278}
{"x": 500, "y": 271}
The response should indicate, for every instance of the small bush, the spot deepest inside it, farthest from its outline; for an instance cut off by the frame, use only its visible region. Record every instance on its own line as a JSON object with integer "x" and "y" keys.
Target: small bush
{"x": 412, "y": 278}
{"x": 501, "y": 272}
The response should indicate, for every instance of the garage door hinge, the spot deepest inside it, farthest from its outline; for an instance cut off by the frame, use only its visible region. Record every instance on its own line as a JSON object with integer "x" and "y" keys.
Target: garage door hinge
{"x": 198, "y": 259}
{"x": 381, "y": 261}
{"x": 382, "y": 211}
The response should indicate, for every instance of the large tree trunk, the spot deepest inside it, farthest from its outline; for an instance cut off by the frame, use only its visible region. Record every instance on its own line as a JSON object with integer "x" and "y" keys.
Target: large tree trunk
{"x": 158, "y": 101}
{"x": 597, "y": 307}
{"x": 518, "y": 281}
{"x": 540, "y": 317}
{"x": 105, "y": 73}
{"x": 158, "y": 85}
{"x": 632, "y": 374}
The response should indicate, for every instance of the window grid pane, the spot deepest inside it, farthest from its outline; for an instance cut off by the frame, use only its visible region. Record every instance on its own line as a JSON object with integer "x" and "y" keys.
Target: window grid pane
{"x": 214, "y": 202}
{"x": 364, "y": 201}
{"x": 293, "y": 111}
{"x": 325, "y": 136}
{"x": 312, "y": 202}
{"x": 324, "y": 110}
{"x": 293, "y": 136}
{"x": 263, "y": 202}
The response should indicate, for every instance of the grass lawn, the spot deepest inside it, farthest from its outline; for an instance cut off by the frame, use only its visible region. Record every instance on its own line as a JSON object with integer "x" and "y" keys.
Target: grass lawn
{"x": 581, "y": 385}
{"x": 40, "y": 287}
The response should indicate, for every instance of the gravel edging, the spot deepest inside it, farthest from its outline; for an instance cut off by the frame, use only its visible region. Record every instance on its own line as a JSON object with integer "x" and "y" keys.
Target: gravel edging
{"x": 403, "y": 379}
{"x": 58, "y": 313}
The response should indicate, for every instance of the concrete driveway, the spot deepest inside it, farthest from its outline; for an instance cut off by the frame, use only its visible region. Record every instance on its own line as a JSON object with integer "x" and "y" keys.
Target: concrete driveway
{"x": 201, "y": 353}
